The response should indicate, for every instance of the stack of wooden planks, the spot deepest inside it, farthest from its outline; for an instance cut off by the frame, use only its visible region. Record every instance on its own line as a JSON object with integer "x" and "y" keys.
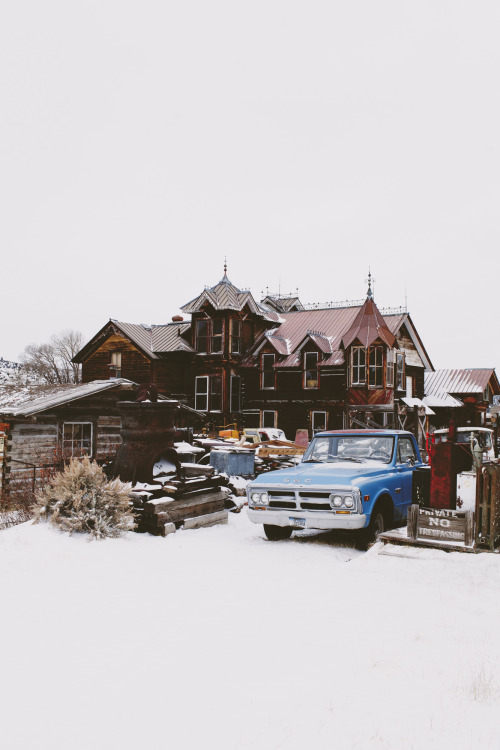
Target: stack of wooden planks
{"x": 189, "y": 497}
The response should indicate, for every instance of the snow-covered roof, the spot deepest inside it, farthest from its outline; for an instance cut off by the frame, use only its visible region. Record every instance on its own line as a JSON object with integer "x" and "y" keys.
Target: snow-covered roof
{"x": 28, "y": 400}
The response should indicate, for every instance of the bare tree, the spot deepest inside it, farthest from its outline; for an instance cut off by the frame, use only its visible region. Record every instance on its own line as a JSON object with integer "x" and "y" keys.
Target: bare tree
{"x": 52, "y": 362}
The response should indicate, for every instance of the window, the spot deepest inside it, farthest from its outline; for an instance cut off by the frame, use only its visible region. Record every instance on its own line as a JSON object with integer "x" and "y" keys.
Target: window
{"x": 406, "y": 451}
{"x": 409, "y": 386}
{"x": 201, "y": 393}
{"x": 215, "y": 393}
{"x": 376, "y": 367}
{"x": 267, "y": 372}
{"x": 217, "y": 336}
{"x": 115, "y": 368}
{"x": 77, "y": 439}
{"x": 202, "y": 336}
{"x": 235, "y": 395}
{"x": 268, "y": 418}
{"x": 358, "y": 369}
{"x": 400, "y": 371}
{"x": 235, "y": 336}
{"x": 311, "y": 370}
{"x": 390, "y": 369}
{"x": 318, "y": 421}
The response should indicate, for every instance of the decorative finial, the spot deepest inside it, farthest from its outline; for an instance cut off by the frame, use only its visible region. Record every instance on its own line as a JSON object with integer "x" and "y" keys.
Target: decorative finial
{"x": 225, "y": 266}
{"x": 369, "y": 293}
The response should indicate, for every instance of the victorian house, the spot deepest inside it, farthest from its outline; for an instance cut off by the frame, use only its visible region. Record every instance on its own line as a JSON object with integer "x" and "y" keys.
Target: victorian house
{"x": 274, "y": 362}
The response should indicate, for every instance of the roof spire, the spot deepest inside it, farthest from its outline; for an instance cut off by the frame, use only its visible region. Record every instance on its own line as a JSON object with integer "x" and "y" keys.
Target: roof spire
{"x": 225, "y": 266}
{"x": 369, "y": 293}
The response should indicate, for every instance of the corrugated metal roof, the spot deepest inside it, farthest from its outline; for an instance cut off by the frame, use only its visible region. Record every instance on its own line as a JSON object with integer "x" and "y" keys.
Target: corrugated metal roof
{"x": 139, "y": 334}
{"x": 169, "y": 338}
{"x": 368, "y": 326}
{"x": 24, "y": 401}
{"x": 441, "y": 382}
{"x": 445, "y": 400}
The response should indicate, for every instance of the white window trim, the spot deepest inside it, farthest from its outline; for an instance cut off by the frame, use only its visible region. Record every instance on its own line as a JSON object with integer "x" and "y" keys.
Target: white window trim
{"x": 357, "y": 382}
{"x": 268, "y": 411}
{"x": 262, "y": 371}
{"x": 380, "y": 367}
{"x": 389, "y": 368}
{"x": 400, "y": 357}
{"x": 91, "y": 436}
{"x": 206, "y": 393}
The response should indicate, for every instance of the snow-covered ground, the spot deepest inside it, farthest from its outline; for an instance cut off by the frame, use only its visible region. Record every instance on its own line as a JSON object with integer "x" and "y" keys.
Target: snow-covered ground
{"x": 217, "y": 638}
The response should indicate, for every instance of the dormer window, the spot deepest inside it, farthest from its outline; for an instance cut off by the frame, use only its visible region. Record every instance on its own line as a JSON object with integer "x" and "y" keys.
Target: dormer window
{"x": 311, "y": 370}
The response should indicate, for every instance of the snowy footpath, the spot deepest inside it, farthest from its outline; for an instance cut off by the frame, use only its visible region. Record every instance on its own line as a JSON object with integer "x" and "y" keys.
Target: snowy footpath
{"x": 217, "y": 638}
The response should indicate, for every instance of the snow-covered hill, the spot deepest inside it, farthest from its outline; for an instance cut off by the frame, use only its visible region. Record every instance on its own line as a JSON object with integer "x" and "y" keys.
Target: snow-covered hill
{"x": 9, "y": 371}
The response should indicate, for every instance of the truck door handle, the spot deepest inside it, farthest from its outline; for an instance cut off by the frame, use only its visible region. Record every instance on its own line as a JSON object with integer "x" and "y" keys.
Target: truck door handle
{"x": 398, "y": 489}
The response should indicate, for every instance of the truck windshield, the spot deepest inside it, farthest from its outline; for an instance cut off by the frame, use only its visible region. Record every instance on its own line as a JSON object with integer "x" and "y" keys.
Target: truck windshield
{"x": 332, "y": 448}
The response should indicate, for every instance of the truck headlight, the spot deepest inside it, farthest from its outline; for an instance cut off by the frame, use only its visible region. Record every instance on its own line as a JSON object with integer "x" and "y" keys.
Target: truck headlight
{"x": 336, "y": 500}
{"x": 255, "y": 497}
{"x": 264, "y": 498}
{"x": 348, "y": 501}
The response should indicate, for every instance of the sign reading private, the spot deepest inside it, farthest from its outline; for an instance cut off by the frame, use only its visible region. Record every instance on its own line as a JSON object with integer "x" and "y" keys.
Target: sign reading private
{"x": 439, "y": 523}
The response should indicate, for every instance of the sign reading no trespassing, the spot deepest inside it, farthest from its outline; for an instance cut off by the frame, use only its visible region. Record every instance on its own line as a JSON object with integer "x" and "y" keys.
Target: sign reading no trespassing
{"x": 440, "y": 524}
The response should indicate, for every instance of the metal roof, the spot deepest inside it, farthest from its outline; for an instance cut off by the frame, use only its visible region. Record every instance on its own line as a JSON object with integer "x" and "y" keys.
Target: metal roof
{"x": 169, "y": 338}
{"x": 368, "y": 326}
{"x": 22, "y": 401}
{"x": 458, "y": 382}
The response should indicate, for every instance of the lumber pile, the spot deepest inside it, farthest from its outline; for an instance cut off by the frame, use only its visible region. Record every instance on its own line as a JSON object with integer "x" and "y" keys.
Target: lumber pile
{"x": 277, "y": 454}
{"x": 185, "y": 496}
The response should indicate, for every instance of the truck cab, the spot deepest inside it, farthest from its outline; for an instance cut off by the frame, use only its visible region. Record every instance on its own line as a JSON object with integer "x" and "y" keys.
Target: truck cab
{"x": 358, "y": 480}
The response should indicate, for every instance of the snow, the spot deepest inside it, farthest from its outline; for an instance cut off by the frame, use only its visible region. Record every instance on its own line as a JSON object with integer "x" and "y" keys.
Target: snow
{"x": 217, "y": 638}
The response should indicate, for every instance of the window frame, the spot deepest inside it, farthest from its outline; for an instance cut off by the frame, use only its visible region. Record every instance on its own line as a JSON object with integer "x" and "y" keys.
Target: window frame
{"x": 219, "y": 336}
{"x": 198, "y": 394}
{"x": 311, "y": 370}
{"x": 213, "y": 393}
{"x": 80, "y": 424}
{"x": 264, "y": 426}
{"x": 266, "y": 370}
{"x": 355, "y": 350}
{"x": 314, "y": 429}
{"x": 377, "y": 368}
{"x": 114, "y": 366}
{"x": 235, "y": 337}
{"x": 231, "y": 394}
{"x": 198, "y": 338}
{"x": 400, "y": 382}
{"x": 389, "y": 370}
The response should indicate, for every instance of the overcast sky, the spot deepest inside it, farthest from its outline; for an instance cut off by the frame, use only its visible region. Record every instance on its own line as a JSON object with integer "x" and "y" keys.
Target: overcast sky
{"x": 141, "y": 142}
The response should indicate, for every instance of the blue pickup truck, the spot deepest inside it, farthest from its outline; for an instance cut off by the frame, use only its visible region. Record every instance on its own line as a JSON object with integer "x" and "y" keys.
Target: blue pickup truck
{"x": 360, "y": 480}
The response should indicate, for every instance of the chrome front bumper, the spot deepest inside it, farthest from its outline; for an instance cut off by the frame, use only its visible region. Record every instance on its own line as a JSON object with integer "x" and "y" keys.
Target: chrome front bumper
{"x": 313, "y": 520}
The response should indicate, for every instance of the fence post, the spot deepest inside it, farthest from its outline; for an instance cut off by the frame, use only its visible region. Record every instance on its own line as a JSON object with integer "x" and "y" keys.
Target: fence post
{"x": 412, "y": 522}
{"x": 469, "y": 528}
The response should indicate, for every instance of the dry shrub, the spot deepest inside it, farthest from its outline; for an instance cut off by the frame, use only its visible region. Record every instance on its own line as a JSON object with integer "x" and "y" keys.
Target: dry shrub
{"x": 82, "y": 498}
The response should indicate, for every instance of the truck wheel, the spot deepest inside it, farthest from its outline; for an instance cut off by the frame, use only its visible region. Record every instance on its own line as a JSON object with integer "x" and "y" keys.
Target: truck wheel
{"x": 370, "y": 535}
{"x": 275, "y": 533}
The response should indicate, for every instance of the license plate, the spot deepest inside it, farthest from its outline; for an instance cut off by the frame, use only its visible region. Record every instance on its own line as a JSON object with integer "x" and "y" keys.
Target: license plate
{"x": 299, "y": 523}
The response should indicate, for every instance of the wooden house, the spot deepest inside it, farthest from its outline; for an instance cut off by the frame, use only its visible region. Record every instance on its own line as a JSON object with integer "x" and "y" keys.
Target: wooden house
{"x": 274, "y": 363}
{"x": 42, "y": 424}
{"x": 464, "y": 395}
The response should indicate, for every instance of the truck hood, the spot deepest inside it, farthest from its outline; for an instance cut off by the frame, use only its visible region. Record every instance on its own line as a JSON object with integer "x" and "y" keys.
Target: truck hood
{"x": 341, "y": 473}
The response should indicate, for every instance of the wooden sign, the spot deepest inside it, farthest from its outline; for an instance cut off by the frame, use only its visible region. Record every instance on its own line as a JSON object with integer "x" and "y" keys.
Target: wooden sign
{"x": 441, "y": 524}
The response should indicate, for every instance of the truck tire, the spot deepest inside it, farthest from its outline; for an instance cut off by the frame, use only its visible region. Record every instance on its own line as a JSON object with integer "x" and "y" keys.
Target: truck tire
{"x": 276, "y": 533}
{"x": 377, "y": 525}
